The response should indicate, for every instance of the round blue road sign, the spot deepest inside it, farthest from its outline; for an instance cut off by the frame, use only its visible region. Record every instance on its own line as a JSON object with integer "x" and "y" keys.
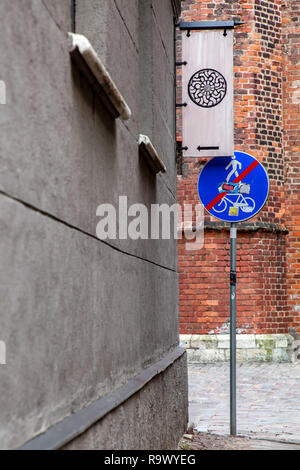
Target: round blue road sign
{"x": 233, "y": 189}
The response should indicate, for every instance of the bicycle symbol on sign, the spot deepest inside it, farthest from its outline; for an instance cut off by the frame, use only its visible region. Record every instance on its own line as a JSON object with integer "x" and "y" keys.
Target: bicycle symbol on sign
{"x": 235, "y": 193}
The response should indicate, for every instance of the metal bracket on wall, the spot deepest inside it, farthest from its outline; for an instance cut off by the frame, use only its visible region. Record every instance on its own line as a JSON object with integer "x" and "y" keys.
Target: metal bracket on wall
{"x": 232, "y": 278}
{"x": 73, "y": 16}
{"x": 201, "y": 25}
{"x": 179, "y": 64}
{"x": 181, "y": 105}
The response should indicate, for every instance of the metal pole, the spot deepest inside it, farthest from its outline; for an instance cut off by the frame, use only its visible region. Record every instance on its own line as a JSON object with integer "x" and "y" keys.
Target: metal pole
{"x": 233, "y": 235}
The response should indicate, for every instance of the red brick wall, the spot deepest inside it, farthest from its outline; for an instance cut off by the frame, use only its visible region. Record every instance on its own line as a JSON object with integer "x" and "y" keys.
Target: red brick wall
{"x": 204, "y": 284}
{"x": 265, "y": 127}
{"x": 291, "y": 123}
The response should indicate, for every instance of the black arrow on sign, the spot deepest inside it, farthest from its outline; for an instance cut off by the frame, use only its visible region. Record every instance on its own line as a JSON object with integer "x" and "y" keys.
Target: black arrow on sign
{"x": 207, "y": 148}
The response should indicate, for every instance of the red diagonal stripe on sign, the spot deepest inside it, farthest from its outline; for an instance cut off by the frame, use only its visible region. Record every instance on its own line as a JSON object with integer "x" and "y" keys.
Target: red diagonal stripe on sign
{"x": 243, "y": 175}
{"x": 246, "y": 172}
{"x": 216, "y": 200}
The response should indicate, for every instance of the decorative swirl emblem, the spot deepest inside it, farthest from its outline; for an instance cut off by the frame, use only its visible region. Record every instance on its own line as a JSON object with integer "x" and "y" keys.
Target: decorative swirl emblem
{"x": 207, "y": 88}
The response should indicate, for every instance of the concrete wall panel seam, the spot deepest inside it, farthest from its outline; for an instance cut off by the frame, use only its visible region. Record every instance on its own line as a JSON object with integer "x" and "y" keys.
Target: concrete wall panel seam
{"x": 77, "y": 229}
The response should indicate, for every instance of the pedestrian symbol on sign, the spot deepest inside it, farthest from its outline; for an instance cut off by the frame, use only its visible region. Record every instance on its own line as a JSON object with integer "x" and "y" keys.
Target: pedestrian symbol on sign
{"x": 234, "y": 164}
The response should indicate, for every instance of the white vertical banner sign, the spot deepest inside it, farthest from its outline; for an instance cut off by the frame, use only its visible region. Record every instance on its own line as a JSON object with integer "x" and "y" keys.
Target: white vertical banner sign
{"x": 207, "y": 88}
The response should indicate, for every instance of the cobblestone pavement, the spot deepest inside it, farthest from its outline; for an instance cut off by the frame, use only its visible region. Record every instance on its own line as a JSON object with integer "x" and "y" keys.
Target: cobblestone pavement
{"x": 268, "y": 400}
{"x": 205, "y": 441}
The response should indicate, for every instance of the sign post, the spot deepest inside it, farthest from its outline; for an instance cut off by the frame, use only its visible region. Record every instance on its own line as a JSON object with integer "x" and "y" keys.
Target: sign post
{"x": 233, "y": 237}
{"x": 233, "y": 189}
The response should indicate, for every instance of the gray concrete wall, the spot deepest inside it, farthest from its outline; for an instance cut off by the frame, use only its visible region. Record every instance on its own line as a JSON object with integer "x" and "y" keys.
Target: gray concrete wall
{"x": 79, "y": 317}
{"x": 147, "y": 420}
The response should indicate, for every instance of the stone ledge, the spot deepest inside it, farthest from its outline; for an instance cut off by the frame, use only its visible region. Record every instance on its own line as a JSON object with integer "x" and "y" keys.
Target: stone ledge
{"x": 90, "y": 64}
{"x": 147, "y": 149}
{"x": 78, "y": 423}
{"x": 209, "y": 349}
{"x": 242, "y": 227}
{"x": 248, "y": 227}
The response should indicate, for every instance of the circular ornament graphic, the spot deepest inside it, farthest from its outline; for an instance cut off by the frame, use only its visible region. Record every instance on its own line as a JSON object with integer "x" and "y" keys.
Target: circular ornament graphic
{"x": 207, "y": 88}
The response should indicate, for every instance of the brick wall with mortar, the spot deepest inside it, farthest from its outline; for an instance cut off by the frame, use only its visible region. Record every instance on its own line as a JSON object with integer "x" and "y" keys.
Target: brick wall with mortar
{"x": 265, "y": 67}
{"x": 291, "y": 147}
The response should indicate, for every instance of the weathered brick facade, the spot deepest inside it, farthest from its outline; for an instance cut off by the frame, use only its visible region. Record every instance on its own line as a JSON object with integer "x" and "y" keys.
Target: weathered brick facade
{"x": 291, "y": 147}
{"x": 267, "y": 98}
